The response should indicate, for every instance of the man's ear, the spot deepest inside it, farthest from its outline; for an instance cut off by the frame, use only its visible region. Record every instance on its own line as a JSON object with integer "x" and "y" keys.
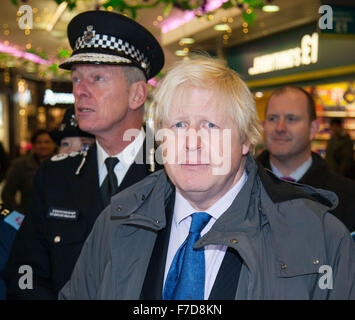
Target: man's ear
{"x": 314, "y": 129}
{"x": 137, "y": 94}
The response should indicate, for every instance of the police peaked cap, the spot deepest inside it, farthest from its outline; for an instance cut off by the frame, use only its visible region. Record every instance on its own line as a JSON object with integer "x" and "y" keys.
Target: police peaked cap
{"x": 68, "y": 128}
{"x": 104, "y": 37}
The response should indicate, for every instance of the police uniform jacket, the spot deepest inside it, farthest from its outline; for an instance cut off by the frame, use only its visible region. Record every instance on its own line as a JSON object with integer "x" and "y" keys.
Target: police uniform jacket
{"x": 319, "y": 176}
{"x": 64, "y": 209}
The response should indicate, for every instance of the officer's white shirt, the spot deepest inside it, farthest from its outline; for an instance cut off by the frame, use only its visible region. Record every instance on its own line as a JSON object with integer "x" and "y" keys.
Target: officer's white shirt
{"x": 180, "y": 227}
{"x": 126, "y": 158}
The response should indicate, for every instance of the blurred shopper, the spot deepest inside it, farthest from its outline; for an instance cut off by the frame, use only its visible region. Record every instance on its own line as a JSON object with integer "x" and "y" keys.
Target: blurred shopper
{"x": 339, "y": 152}
{"x": 69, "y": 137}
{"x": 289, "y": 127}
{"x": 4, "y": 162}
{"x": 22, "y": 171}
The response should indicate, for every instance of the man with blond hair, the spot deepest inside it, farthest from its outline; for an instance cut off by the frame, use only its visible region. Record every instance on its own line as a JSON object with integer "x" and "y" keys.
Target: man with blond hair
{"x": 213, "y": 224}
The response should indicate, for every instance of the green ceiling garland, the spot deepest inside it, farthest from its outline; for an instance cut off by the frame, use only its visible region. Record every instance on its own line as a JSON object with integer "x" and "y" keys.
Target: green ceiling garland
{"x": 131, "y": 8}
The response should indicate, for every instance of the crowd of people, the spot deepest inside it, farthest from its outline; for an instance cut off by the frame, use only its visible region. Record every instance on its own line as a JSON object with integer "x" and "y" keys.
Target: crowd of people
{"x": 206, "y": 218}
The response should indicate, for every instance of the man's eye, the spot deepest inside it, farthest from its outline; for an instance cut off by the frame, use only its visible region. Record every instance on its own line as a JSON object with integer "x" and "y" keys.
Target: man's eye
{"x": 271, "y": 118}
{"x": 291, "y": 118}
{"x": 65, "y": 144}
{"x": 75, "y": 79}
{"x": 98, "y": 78}
{"x": 210, "y": 125}
{"x": 179, "y": 125}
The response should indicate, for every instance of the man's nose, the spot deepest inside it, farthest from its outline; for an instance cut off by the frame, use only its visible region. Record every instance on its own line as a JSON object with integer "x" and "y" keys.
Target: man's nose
{"x": 193, "y": 140}
{"x": 81, "y": 89}
{"x": 281, "y": 125}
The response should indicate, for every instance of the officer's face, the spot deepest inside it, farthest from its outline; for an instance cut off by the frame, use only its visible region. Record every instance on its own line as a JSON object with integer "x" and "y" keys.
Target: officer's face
{"x": 101, "y": 98}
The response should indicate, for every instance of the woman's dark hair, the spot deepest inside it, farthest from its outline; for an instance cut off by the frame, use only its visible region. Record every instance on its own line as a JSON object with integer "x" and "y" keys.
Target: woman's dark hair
{"x": 38, "y": 133}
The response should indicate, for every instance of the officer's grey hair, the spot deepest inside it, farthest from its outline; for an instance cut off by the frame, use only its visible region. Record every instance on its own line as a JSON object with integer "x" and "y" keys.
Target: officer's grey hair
{"x": 133, "y": 74}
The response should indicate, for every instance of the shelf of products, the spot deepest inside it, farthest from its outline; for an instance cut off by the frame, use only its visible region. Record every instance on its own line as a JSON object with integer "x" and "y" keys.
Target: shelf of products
{"x": 336, "y": 100}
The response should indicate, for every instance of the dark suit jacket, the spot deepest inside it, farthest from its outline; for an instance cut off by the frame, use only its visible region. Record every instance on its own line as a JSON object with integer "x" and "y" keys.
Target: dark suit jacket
{"x": 64, "y": 209}
{"x": 319, "y": 176}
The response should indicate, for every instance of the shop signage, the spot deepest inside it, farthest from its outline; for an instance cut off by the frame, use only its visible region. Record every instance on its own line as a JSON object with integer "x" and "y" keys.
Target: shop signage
{"x": 306, "y": 54}
{"x": 54, "y": 98}
{"x": 337, "y": 20}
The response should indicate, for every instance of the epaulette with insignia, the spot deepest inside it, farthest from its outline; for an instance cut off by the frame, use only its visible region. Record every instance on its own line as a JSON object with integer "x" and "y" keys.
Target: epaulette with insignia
{"x": 59, "y": 157}
{"x": 62, "y": 156}
{"x": 13, "y": 218}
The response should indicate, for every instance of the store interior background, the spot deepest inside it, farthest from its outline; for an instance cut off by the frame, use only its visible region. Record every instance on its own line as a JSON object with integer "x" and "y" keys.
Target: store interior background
{"x": 330, "y": 76}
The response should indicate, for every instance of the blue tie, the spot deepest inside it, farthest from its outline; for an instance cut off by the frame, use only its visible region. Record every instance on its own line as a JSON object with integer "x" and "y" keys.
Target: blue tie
{"x": 186, "y": 277}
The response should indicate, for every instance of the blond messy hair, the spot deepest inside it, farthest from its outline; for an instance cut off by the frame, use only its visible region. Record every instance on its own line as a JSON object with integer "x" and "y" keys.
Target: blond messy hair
{"x": 209, "y": 73}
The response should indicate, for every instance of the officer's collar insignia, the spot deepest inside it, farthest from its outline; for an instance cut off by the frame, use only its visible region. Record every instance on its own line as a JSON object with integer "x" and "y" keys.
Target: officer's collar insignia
{"x": 59, "y": 157}
{"x": 73, "y": 121}
{"x": 73, "y": 154}
{"x": 89, "y": 34}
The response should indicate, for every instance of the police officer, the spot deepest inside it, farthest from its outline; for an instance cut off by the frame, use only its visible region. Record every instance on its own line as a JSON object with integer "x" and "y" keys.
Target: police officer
{"x": 68, "y": 136}
{"x": 112, "y": 59}
{"x": 10, "y": 222}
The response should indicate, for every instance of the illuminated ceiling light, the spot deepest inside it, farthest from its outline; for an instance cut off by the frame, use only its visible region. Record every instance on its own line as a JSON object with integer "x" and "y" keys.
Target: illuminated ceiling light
{"x": 271, "y": 8}
{"x": 221, "y": 27}
{"x": 186, "y": 50}
{"x": 6, "y": 32}
{"x": 210, "y": 17}
{"x": 245, "y": 24}
{"x": 109, "y": 8}
{"x": 180, "y": 53}
{"x": 187, "y": 41}
{"x": 245, "y": 30}
{"x": 159, "y": 18}
{"x": 249, "y": 11}
{"x": 230, "y": 19}
{"x": 259, "y": 94}
{"x": 28, "y": 46}
{"x": 61, "y": 8}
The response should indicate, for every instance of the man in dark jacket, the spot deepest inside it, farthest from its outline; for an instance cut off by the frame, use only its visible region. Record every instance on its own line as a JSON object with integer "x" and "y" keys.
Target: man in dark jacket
{"x": 289, "y": 127}
{"x": 112, "y": 60}
{"x": 213, "y": 224}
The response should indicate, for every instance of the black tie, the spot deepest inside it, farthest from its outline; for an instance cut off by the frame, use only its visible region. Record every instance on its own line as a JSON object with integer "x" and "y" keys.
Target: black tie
{"x": 110, "y": 185}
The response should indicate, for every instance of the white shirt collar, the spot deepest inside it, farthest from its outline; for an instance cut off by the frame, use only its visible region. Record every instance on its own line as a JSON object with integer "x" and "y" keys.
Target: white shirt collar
{"x": 126, "y": 156}
{"x": 298, "y": 173}
{"x": 183, "y": 209}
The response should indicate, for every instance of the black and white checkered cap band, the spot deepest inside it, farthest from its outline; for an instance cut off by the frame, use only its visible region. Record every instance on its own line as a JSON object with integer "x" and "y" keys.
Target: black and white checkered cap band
{"x": 113, "y": 43}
